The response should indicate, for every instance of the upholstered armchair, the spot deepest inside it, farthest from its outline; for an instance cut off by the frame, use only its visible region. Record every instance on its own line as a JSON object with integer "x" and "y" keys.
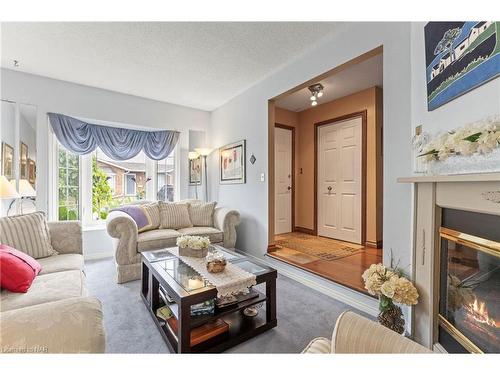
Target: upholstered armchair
{"x": 356, "y": 334}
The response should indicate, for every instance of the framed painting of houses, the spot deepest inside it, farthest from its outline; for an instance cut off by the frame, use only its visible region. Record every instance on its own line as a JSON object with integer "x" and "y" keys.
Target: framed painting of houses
{"x": 195, "y": 171}
{"x": 460, "y": 56}
{"x": 232, "y": 160}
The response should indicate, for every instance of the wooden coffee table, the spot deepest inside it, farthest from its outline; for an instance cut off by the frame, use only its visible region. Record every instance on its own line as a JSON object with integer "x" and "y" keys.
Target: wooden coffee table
{"x": 185, "y": 288}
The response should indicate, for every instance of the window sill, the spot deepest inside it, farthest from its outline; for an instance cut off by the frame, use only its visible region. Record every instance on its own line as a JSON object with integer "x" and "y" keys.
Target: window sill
{"x": 101, "y": 225}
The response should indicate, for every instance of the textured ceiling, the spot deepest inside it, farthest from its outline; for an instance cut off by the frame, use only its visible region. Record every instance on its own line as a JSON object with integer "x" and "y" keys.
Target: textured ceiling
{"x": 200, "y": 65}
{"x": 358, "y": 77}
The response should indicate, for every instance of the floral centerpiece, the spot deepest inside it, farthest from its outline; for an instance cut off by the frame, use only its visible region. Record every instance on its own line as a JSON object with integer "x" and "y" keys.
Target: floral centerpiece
{"x": 390, "y": 286}
{"x": 193, "y": 246}
{"x": 471, "y": 148}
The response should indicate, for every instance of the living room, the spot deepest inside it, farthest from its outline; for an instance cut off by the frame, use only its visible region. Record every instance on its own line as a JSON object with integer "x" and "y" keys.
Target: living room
{"x": 139, "y": 179}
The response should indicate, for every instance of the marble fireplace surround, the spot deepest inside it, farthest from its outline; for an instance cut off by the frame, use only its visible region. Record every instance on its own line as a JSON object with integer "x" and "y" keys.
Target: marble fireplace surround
{"x": 468, "y": 192}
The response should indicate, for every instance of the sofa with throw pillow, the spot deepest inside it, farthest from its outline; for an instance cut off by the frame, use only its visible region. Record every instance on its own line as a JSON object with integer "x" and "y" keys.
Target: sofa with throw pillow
{"x": 47, "y": 308}
{"x": 145, "y": 226}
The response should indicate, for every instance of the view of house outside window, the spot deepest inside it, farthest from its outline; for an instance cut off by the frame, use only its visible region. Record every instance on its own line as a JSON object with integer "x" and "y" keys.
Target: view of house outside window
{"x": 116, "y": 182}
{"x": 68, "y": 182}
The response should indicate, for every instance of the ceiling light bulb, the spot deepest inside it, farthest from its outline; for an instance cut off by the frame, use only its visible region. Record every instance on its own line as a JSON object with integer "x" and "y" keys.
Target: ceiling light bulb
{"x": 313, "y": 97}
{"x": 319, "y": 94}
{"x": 314, "y": 103}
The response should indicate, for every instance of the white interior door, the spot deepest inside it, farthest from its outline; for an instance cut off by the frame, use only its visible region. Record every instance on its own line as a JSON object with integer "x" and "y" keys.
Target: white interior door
{"x": 282, "y": 180}
{"x": 340, "y": 180}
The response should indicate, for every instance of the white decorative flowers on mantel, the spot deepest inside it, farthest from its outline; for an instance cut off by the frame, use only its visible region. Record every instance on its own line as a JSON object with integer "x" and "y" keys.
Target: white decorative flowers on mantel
{"x": 472, "y": 148}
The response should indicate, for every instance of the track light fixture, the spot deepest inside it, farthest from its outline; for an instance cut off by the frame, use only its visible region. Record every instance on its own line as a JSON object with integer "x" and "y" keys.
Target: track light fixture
{"x": 316, "y": 92}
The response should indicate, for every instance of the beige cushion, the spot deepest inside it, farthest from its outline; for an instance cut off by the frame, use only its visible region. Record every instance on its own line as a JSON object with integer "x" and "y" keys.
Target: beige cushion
{"x": 319, "y": 345}
{"x": 213, "y": 234}
{"x": 152, "y": 210}
{"x": 174, "y": 215}
{"x": 202, "y": 214}
{"x": 46, "y": 288}
{"x": 157, "y": 239}
{"x": 61, "y": 262}
{"x": 354, "y": 333}
{"x": 72, "y": 325}
{"x": 27, "y": 233}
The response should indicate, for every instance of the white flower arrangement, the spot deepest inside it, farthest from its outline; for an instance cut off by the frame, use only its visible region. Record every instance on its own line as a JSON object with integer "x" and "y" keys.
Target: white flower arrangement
{"x": 479, "y": 138}
{"x": 388, "y": 284}
{"x": 193, "y": 242}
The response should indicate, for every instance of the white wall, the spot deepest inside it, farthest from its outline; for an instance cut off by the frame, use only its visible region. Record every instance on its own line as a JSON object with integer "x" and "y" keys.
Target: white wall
{"x": 245, "y": 117}
{"x": 479, "y": 103}
{"x": 50, "y": 95}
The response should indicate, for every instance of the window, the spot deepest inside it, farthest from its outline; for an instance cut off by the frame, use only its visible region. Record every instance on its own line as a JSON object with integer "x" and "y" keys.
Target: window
{"x": 130, "y": 187}
{"x": 87, "y": 187}
{"x": 68, "y": 182}
{"x": 165, "y": 179}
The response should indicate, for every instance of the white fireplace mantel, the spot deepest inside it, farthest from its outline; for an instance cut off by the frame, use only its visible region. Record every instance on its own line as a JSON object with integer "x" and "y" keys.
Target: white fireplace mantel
{"x": 470, "y": 192}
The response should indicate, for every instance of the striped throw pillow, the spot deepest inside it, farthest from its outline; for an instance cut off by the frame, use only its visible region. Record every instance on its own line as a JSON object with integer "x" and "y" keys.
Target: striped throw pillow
{"x": 153, "y": 211}
{"x": 27, "y": 233}
{"x": 202, "y": 214}
{"x": 174, "y": 215}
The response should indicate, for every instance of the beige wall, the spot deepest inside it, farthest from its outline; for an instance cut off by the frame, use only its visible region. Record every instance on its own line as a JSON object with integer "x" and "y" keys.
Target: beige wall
{"x": 304, "y": 122}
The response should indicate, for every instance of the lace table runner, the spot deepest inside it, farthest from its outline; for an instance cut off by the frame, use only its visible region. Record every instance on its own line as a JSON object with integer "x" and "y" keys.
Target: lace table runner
{"x": 233, "y": 280}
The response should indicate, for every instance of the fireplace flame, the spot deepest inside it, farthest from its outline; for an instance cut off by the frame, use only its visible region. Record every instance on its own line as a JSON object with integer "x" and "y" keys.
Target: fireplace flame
{"x": 479, "y": 313}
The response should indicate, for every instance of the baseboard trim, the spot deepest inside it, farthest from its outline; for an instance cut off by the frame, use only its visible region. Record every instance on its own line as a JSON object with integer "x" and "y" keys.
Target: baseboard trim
{"x": 304, "y": 230}
{"x": 336, "y": 291}
{"x": 374, "y": 245}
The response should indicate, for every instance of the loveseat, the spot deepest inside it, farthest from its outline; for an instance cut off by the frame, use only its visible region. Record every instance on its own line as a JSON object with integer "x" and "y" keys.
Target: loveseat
{"x": 55, "y": 315}
{"x": 129, "y": 243}
{"x": 354, "y": 333}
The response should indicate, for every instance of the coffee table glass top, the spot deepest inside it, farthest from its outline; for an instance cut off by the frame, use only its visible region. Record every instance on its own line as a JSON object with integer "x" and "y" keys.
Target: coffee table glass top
{"x": 187, "y": 277}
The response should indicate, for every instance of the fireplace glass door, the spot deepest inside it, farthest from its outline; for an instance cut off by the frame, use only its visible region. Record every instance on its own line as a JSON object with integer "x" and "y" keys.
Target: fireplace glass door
{"x": 469, "y": 308}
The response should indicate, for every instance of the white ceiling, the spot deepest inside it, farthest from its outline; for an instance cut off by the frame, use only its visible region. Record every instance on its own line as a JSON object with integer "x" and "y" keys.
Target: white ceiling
{"x": 200, "y": 65}
{"x": 353, "y": 79}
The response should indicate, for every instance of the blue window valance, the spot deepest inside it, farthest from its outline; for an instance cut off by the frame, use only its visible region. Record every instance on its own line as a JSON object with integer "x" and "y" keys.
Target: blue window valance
{"x": 117, "y": 143}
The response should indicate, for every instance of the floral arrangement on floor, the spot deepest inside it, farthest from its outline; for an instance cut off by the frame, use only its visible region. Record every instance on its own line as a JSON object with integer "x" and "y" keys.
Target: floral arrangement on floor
{"x": 482, "y": 137}
{"x": 390, "y": 286}
{"x": 193, "y": 242}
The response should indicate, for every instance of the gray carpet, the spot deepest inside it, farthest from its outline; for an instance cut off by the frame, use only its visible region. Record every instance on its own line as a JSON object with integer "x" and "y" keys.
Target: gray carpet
{"x": 303, "y": 314}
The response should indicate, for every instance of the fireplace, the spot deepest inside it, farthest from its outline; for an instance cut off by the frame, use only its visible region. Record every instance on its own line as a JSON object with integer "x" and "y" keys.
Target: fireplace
{"x": 469, "y": 282}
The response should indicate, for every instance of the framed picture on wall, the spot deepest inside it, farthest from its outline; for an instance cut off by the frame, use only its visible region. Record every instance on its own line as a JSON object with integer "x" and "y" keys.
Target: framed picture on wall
{"x": 24, "y": 161}
{"x": 195, "y": 171}
{"x": 31, "y": 172}
{"x": 7, "y": 161}
{"x": 232, "y": 163}
{"x": 460, "y": 56}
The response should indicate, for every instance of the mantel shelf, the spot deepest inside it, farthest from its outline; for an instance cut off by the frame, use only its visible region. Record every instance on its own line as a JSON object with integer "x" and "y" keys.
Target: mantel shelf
{"x": 477, "y": 177}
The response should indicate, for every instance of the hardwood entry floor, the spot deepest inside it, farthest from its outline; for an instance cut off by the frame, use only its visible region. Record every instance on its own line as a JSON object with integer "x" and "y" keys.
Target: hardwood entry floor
{"x": 345, "y": 265}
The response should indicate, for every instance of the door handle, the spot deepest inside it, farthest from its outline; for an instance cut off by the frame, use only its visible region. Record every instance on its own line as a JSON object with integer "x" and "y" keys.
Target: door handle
{"x": 329, "y": 189}
{"x": 289, "y": 188}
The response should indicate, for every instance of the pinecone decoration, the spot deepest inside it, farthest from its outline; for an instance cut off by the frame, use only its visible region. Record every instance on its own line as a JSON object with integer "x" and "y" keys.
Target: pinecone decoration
{"x": 392, "y": 318}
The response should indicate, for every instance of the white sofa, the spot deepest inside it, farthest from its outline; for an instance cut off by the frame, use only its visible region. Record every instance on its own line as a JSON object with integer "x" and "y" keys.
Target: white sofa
{"x": 128, "y": 243}
{"x": 55, "y": 315}
{"x": 356, "y": 334}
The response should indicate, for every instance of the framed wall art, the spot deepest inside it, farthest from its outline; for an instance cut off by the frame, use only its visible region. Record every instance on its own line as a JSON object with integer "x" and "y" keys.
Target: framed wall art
{"x": 7, "y": 161}
{"x": 460, "y": 56}
{"x": 24, "y": 161}
{"x": 195, "y": 171}
{"x": 31, "y": 172}
{"x": 232, "y": 163}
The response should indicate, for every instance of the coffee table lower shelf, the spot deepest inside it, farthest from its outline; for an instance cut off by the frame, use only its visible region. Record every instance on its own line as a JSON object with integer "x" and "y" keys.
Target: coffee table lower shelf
{"x": 241, "y": 328}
